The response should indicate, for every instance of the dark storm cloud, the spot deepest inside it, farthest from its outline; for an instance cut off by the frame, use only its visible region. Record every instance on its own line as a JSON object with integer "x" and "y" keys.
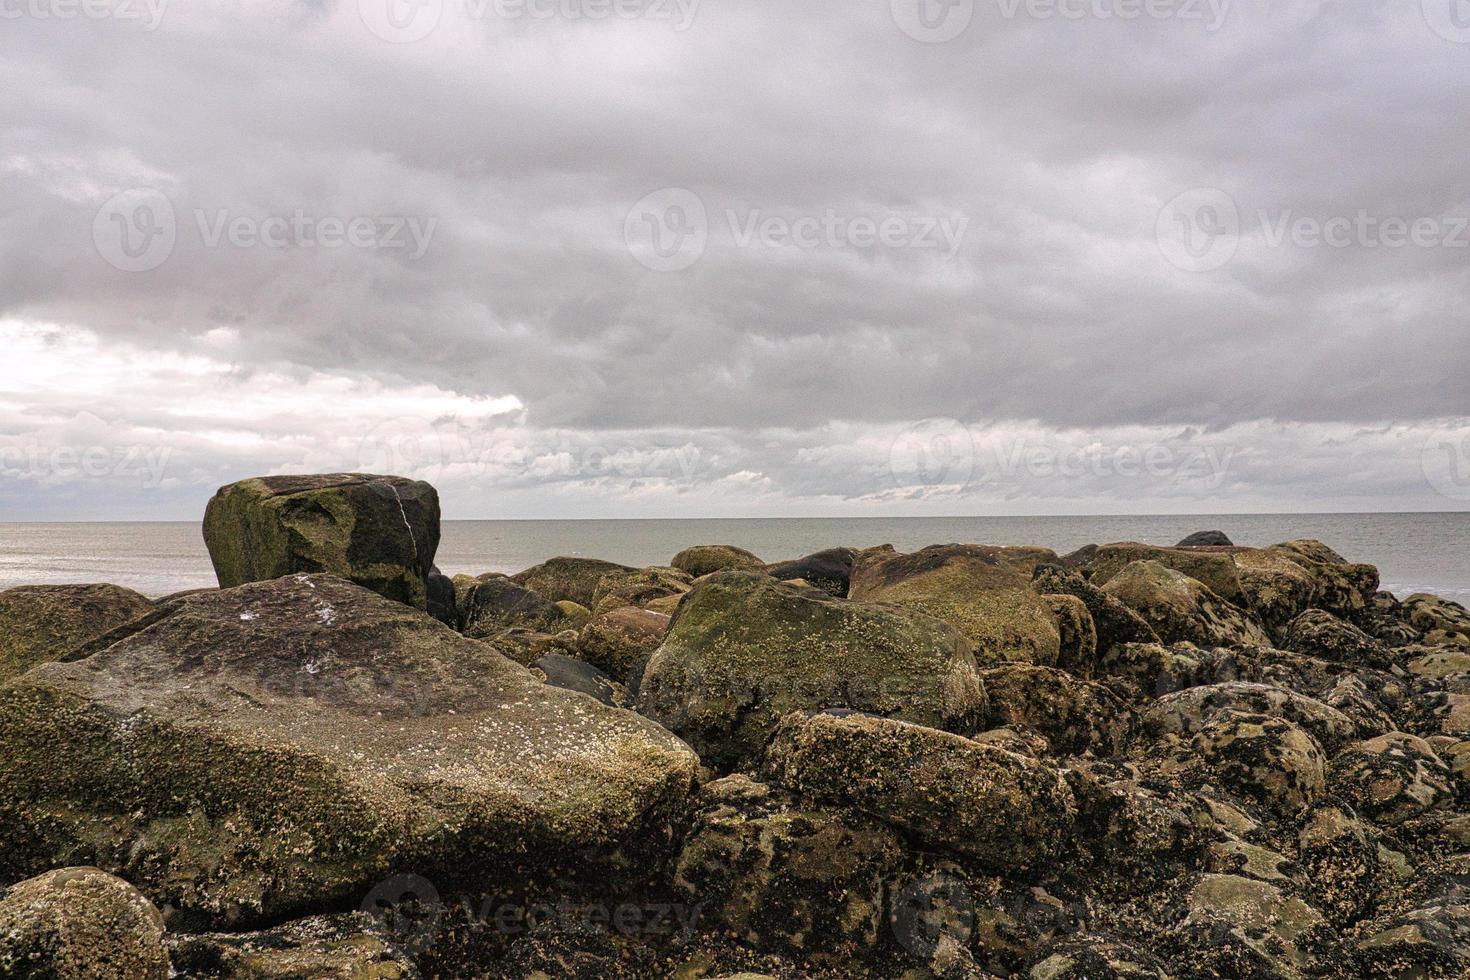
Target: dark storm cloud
{"x": 1022, "y": 173}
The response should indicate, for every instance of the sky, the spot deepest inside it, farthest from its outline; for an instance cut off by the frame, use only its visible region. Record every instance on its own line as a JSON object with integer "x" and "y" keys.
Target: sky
{"x": 681, "y": 258}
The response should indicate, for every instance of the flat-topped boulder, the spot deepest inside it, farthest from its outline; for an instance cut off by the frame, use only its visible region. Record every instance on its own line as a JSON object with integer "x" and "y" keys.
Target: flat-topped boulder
{"x": 378, "y": 531}
{"x": 743, "y": 650}
{"x": 984, "y": 592}
{"x": 276, "y": 748}
{"x": 42, "y": 623}
{"x": 574, "y": 579}
{"x": 706, "y": 559}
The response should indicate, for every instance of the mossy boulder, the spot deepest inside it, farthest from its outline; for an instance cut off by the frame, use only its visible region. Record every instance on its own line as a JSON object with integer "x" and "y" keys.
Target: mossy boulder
{"x": 1318, "y": 633}
{"x": 80, "y": 924}
{"x": 1180, "y": 607}
{"x": 1075, "y": 716}
{"x": 1392, "y": 778}
{"x": 638, "y": 588}
{"x": 1441, "y": 621}
{"x": 1268, "y": 760}
{"x": 1239, "y": 927}
{"x": 273, "y": 749}
{"x": 1096, "y": 958}
{"x": 1426, "y": 943}
{"x": 378, "y": 531}
{"x": 568, "y": 578}
{"x": 1004, "y": 810}
{"x": 1216, "y": 569}
{"x": 620, "y": 642}
{"x": 349, "y": 946}
{"x": 1339, "y": 854}
{"x": 1189, "y": 711}
{"x": 496, "y": 603}
{"x": 743, "y": 650}
{"x": 706, "y": 559}
{"x": 786, "y": 878}
{"x": 1113, "y": 621}
{"x": 42, "y": 623}
{"x": 983, "y": 592}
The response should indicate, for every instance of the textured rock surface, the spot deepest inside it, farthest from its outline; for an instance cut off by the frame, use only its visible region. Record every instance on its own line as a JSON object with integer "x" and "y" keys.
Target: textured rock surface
{"x": 378, "y": 531}
{"x": 575, "y": 579}
{"x": 1003, "y": 809}
{"x": 744, "y": 649}
{"x": 706, "y": 559}
{"x": 80, "y": 924}
{"x": 274, "y": 748}
{"x": 983, "y": 592}
{"x": 42, "y": 623}
{"x": 1180, "y": 607}
{"x": 337, "y": 947}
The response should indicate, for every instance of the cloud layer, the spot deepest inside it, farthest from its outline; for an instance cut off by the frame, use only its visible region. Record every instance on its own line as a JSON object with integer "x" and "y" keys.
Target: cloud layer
{"x": 595, "y": 257}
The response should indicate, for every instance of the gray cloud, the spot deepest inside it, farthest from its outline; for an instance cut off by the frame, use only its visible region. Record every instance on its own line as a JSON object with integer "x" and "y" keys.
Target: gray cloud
{"x": 525, "y": 142}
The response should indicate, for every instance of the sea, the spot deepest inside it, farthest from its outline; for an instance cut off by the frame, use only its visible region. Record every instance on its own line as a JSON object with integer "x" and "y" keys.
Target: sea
{"x": 1422, "y": 552}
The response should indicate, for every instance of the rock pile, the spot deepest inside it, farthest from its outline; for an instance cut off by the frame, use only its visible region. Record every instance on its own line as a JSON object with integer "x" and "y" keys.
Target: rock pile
{"x": 1204, "y": 760}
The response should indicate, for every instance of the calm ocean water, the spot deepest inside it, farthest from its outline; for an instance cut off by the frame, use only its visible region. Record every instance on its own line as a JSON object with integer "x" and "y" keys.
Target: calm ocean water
{"x": 1414, "y": 552}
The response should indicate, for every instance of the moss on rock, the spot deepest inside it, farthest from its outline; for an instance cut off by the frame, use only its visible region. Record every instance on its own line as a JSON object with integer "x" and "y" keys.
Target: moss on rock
{"x": 80, "y": 924}
{"x": 42, "y": 623}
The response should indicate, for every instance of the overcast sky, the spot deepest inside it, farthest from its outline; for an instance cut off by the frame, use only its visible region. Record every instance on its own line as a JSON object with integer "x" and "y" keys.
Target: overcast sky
{"x": 579, "y": 258}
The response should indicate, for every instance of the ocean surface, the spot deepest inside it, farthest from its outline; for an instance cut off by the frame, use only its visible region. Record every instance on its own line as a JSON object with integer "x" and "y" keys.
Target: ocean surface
{"x": 1413, "y": 552}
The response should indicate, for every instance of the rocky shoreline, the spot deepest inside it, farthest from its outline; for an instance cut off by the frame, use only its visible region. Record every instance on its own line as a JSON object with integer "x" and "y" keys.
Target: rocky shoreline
{"x": 1136, "y": 760}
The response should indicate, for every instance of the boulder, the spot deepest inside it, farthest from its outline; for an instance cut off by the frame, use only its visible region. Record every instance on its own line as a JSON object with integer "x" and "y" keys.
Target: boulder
{"x": 443, "y": 600}
{"x": 1238, "y": 927}
{"x": 620, "y": 642}
{"x": 638, "y": 588}
{"x": 80, "y": 924}
{"x": 42, "y": 623}
{"x": 273, "y": 749}
{"x": 1339, "y": 853}
{"x": 1076, "y": 634}
{"x": 1318, "y": 633}
{"x": 1001, "y": 809}
{"x": 830, "y": 570}
{"x": 786, "y": 878}
{"x": 1215, "y": 569}
{"x": 1392, "y": 778}
{"x": 577, "y": 615}
{"x": 1180, "y": 607}
{"x": 568, "y": 578}
{"x": 525, "y": 645}
{"x": 983, "y": 592}
{"x": 378, "y": 531}
{"x": 744, "y": 650}
{"x": 1189, "y": 711}
{"x": 1268, "y": 760}
{"x": 1146, "y": 671}
{"x": 706, "y": 559}
{"x": 1113, "y": 621}
{"x": 1075, "y": 716}
{"x": 1331, "y": 582}
{"x": 496, "y": 603}
{"x": 349, "y": 946}
{"x": 1206, "y": 539}
{"x": 1428, "y": 942}
{"x": 1097, "y": 958}
{"x": 1440, "y": 621}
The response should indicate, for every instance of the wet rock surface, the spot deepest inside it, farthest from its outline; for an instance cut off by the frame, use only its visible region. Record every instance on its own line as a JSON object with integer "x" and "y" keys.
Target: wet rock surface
{"x": 1193, "y": 761}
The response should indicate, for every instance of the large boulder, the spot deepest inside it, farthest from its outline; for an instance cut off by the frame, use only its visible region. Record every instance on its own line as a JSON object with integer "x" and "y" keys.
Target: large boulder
{"x": 1002, "y": 809}
{"x": 744, "y": 650}
{"x": 1285, "y": 579}
{"x": 80, "y": 924}
{"x": 568, "y": 578}
{"x": 1188, "y": 711}
{"x": 638, "y": 588}
{"x": 1239, "y": 927}
{"x": 1269, "y": 760}
{"x": 42, "y": 623}
{"x": 1318, "y": 633}
{"x": 1441, "y": 621}
{"x": 1392, "y": 778}
{"x": 378, "y": 531}
{"x": 1075, "y": 716}
{"x": 620, "y": 642}
{"x": 273, "y": 749}
{"x": 496, "y": 603}
{"x": 1206, "y": 539}
{"x": 983, "y": 592}
{"x": 786, "y": 878}
{"x": 1215, "y": 569}
{"x": 706, "y": 559}
{"x": 1180, "y": 607}
{"x": 1113, "y": 622}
